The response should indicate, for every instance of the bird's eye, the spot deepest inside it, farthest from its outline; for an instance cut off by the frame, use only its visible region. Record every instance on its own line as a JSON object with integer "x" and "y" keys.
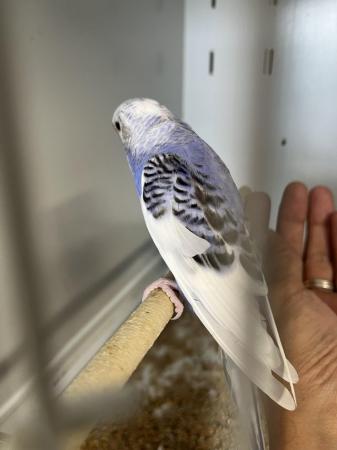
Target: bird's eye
{"x": 118, "y": 126}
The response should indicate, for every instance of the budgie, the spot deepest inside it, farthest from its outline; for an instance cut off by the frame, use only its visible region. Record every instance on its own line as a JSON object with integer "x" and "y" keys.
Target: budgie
{"x": 194, "y": 214}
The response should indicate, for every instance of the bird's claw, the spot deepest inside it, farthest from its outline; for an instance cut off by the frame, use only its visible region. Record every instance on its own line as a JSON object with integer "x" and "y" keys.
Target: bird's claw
{"x": 170, "y": 288}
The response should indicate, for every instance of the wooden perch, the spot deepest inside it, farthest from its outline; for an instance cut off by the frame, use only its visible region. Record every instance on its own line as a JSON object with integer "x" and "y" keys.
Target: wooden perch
{"x": 114, "y": 364}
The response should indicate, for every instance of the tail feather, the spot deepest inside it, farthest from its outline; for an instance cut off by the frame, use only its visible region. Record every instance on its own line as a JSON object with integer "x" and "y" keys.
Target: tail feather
{"x": 246, "y": 399}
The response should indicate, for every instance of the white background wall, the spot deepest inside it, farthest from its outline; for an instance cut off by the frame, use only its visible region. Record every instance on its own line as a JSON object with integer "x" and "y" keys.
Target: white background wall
{"x": 302, "y": 96}
{"x": 244, "y": 113}
{"x": 226, "y": 108}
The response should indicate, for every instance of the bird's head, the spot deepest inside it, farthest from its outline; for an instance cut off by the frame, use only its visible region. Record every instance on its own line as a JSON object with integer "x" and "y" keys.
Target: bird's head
{"x": 135, "y": 119}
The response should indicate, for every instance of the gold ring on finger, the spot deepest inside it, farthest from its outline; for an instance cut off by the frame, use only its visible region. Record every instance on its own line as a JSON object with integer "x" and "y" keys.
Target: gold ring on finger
{"x": 320, "y": 283}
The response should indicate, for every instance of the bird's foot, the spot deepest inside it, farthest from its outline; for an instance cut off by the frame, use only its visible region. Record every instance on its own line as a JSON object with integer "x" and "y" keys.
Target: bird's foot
{"x": 170, "y": 288}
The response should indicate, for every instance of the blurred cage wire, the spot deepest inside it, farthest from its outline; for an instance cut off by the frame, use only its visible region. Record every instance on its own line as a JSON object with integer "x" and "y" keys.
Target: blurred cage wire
{"x": 253, "y": 68}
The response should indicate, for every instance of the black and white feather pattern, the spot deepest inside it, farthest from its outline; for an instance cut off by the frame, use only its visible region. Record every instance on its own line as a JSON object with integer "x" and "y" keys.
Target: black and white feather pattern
{"x": 209, "y": 251}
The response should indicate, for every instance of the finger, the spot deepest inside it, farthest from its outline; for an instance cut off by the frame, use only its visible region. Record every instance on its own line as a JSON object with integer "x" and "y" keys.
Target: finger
{"x": 317, "y": 263}
{"x": 333, "y": 235}
{"x": 257, "y": 209}
{"x": 244, "y": 192}
{"x": 292, "y": 215}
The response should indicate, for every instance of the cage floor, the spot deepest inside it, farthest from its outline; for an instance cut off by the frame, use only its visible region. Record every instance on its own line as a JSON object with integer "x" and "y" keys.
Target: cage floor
{"x": 185, "y": 403}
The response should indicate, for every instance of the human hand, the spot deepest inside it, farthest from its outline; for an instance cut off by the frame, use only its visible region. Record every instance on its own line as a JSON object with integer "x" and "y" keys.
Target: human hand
{"x": 307, "y": 319}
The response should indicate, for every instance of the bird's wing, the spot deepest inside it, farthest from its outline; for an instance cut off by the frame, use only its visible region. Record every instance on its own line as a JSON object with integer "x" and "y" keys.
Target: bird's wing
{"x": 211, "y": 256}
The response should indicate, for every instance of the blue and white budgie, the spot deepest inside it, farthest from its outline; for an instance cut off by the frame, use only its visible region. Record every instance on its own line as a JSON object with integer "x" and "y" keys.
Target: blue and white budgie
{"x": 195, "y": 217}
